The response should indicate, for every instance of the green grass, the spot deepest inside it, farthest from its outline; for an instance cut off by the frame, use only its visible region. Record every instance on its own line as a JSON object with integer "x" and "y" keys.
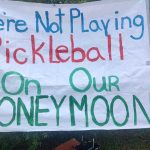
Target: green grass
{"x": 109, "y": 140}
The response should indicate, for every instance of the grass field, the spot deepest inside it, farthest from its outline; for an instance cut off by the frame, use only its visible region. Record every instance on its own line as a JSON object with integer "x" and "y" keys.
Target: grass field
{"x": 109, "y": 140}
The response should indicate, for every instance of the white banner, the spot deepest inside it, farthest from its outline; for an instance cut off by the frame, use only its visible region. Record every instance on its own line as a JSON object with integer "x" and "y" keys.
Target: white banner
{"x": 74, "y": 67}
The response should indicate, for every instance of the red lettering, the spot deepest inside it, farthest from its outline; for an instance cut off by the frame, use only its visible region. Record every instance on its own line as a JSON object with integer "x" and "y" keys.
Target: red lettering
{"x": 109, "y": 47}
{"x": 0, "y": 41}
{"x": 7, "y": 55}
{"x": 15, "y": 56}
{"x": 60, "y": 50}
{"x": 35, "y": 51}
{"x": 98, "y": 54}
{"x": 121, "y": 47}
{"x": 51, "y": 51}
{"x": 77, "y": 50}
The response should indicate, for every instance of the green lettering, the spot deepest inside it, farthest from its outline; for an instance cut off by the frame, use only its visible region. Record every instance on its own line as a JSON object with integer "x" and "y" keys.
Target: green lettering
{"x": 107, "y": 108}
{"x": 113, "y": 83}
{"x": 57, "y": 106}
{"x": 11, "y": 101}
{"x": 87, "y": 74}
{"x": 29, "y": 115}
{"x": 102, "y": 88}
{"x": 137, "y": 101}
{"x": 73, "y": 102}
{"x": 112, "y": 111}
{"x": 38, "y": 110}
{"x": 12, "y": 73}
{"x": 27, "y": 82}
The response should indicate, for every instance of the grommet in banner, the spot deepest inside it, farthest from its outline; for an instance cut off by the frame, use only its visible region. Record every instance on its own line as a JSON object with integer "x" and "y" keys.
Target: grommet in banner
{"x": 148, "y": 63}
{"x": 4, "y": 13}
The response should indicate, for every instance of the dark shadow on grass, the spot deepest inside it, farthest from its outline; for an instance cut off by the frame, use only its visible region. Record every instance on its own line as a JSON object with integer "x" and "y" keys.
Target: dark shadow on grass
{"x": 109, "y": 140}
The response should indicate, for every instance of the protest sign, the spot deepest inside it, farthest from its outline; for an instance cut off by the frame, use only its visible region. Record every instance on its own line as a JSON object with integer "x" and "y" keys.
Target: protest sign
{"x": 74, "y": 67}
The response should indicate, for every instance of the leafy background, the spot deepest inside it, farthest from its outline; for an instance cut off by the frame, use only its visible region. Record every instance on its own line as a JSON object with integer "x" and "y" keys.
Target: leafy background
{"x": 109, "y": 140}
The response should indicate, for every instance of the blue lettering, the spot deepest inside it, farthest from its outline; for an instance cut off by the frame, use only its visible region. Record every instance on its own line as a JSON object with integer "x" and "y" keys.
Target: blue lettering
{"x": 73, "y": 16}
